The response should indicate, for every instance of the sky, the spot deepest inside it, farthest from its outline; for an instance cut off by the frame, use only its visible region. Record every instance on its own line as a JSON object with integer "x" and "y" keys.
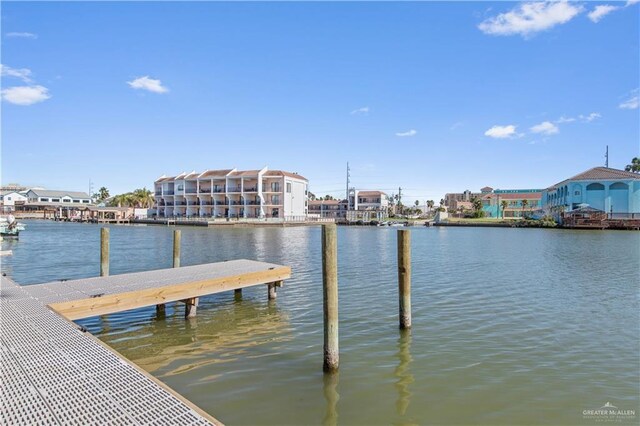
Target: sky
{"x": 433, "y": 97}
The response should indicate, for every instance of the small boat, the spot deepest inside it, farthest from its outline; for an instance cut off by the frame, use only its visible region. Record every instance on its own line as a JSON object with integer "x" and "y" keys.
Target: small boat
{"x": 9, "y": 227}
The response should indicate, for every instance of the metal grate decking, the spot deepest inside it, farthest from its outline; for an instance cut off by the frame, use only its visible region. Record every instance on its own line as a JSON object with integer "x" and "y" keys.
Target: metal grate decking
{"x": 53, "y": 373}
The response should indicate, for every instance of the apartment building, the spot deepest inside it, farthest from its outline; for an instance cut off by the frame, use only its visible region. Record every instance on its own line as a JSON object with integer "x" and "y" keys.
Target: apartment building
{"x": 232, "y": 193}
{"x": 334, "y": 209}
{"x": 497, "y": 203}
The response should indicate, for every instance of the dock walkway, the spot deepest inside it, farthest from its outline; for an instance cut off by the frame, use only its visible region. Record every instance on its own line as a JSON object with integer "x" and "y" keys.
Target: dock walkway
{"x": 52, "y": 372}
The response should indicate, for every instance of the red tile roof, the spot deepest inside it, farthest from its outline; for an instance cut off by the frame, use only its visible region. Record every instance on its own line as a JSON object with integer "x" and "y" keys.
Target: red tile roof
{"x": 216, "y": 173}
{"x": 601, "y": 173}
{"x": 325, "y": 202}
{"x": 370, "y": 193}
{"x": 283, "y": 173}
{"x": 520, "y": 196}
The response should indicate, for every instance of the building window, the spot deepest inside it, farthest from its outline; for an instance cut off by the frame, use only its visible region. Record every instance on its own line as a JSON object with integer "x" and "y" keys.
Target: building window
{"x": 275, "y": 199}
{"x": 275, "y": 186}
{"x": 288, "y": 187}
{"x": 55, "y": 200}
{"x": 576, "y": 193}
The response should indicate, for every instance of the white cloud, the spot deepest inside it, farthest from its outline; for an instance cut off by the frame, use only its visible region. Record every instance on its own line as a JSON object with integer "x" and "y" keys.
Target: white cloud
{"x": 631, "y": 2}
{"x": 546, "y": 128}
{"x": 601, "y": 11}
{"x": 501, "y": 132}
{"x": 564, "y": 119}
{"x": 530, "y": 18}
{"x": 361, "y": 111}
{"x": 25, "y": 95}
{"x": 634, "y": 100}
{"x": 146, "y": 83}
{"x": 589, "y": 118}
{"x": 21, "y": 35}
{"x": 23, "y": 74}
{"x": 456, "y": 125}
{"x": 408, "y": 133}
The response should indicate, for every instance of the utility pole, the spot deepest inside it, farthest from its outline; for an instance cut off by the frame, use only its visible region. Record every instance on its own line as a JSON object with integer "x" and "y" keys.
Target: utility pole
{"x": 606, "y": 156}
{"x": 400, "y": 199}
{"x": 90, "y": 188}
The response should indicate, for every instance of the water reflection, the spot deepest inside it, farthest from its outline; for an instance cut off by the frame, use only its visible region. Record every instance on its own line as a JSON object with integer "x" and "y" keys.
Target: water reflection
{"x": 169, "y": 344}
{"x": 405, "y": 378}
{"x": 331, "y": 397}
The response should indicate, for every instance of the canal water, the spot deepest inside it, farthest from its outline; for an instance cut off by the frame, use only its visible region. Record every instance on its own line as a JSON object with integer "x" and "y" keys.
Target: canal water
{"x": 510, "y": 326}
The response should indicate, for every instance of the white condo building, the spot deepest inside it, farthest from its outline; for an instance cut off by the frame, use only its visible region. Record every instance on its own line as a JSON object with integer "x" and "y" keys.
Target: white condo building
{"x": 234, "y": 194}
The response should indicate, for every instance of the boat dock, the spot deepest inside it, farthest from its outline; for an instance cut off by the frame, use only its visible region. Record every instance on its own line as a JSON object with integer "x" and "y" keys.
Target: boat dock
{"x": 54, "y": 372}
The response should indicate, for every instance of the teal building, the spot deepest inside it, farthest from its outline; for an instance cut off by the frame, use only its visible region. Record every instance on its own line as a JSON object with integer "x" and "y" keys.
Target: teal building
{"x": 602, "y": 188}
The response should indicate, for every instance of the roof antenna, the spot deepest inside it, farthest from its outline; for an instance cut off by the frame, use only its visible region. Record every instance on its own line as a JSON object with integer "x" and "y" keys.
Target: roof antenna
{"x": 606, "y": 156}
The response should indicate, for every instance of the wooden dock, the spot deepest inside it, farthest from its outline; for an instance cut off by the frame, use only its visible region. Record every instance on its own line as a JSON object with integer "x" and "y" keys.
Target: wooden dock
{"x": 53, "y": 372}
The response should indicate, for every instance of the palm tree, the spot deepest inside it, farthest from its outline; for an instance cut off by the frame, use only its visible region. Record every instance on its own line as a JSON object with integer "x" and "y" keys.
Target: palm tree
{"x": 504, "y": 205}
{"x": 634, "y": 166}
{"x": 525, "y": 204}
{"x": 143, "y": 198}
{"x": 122, "y": 200}
{"x": 103, "y": 194}
{"x": 430, "y": 204}
{"x": 417, "y": 203}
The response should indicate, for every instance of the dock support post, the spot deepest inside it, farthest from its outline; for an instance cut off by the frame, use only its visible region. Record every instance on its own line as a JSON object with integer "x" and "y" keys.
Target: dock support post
{"x": 190, "y": 307}
{"x": 330, "y": 297}
{"x": 237, "y": 294}
{"x": 104, "y": 252}
{"x": 404, "y": 277}
{"x": 272, "y": 289}
{"x": 176, "y": 248}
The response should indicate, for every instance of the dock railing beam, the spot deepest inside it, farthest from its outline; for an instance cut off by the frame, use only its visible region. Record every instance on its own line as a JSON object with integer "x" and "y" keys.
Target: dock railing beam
{"x": 404, "y": 277}
{"x": 330, "y": 297}
{"x": 104, "y": 252}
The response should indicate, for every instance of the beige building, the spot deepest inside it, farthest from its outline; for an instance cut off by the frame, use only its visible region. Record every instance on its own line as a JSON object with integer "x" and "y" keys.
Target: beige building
{"x": 232, "y": 193}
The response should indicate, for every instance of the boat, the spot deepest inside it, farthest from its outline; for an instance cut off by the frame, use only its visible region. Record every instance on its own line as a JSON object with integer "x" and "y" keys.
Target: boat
{"x": 9, "y": 227}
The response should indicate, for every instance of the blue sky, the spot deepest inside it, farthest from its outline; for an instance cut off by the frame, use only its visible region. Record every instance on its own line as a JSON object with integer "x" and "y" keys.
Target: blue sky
{"x": 434, "y": 97}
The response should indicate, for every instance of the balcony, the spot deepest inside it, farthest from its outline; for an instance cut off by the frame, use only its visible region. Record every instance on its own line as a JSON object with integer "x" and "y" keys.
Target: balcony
{"x": 204, "y": 190}
{"x": 168, "y": 193}
{"x": 234, "y": 189}
{"x": 158, "y": 192}
{"x": 218, "y": 190}
{"x": 191, "y": 190}
{"x": 251, "y": 189}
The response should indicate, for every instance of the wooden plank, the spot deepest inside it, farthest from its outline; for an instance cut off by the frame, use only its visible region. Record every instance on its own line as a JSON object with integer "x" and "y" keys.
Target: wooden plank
{"x": 111, "y": 303}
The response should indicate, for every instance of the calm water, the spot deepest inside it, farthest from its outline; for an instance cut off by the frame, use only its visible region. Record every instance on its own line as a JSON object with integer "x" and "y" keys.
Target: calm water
{"x": 510, "y": 326}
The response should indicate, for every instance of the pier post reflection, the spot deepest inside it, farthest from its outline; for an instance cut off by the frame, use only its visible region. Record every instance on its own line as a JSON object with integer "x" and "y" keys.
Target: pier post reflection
{"x": 405, "y": 378}
{"x": 331, "y": 396}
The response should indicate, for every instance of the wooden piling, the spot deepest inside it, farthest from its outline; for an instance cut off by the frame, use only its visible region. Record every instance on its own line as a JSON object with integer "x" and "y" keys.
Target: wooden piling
{"x": 330, "y": 297}
{"x": 237, "y": 294}
{"x": 104, "y": 252}
{"x": 404, "y": 277}
{"x": 190, "y": 307}
{"x": 272, "y": 291}
{"x": 176, "y": 248}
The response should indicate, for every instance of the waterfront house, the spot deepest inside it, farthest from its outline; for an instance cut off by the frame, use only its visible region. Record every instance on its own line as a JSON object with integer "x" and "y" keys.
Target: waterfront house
{"x": 492, "y": 202}
{"x": 232, "y": 193}
{"x": 615, "y": 192}
{"x": 519, "y": 203}
{"x": 49, "y": 197}
{"x": 12, "y": 199}
{"x": 335, "y": 209}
